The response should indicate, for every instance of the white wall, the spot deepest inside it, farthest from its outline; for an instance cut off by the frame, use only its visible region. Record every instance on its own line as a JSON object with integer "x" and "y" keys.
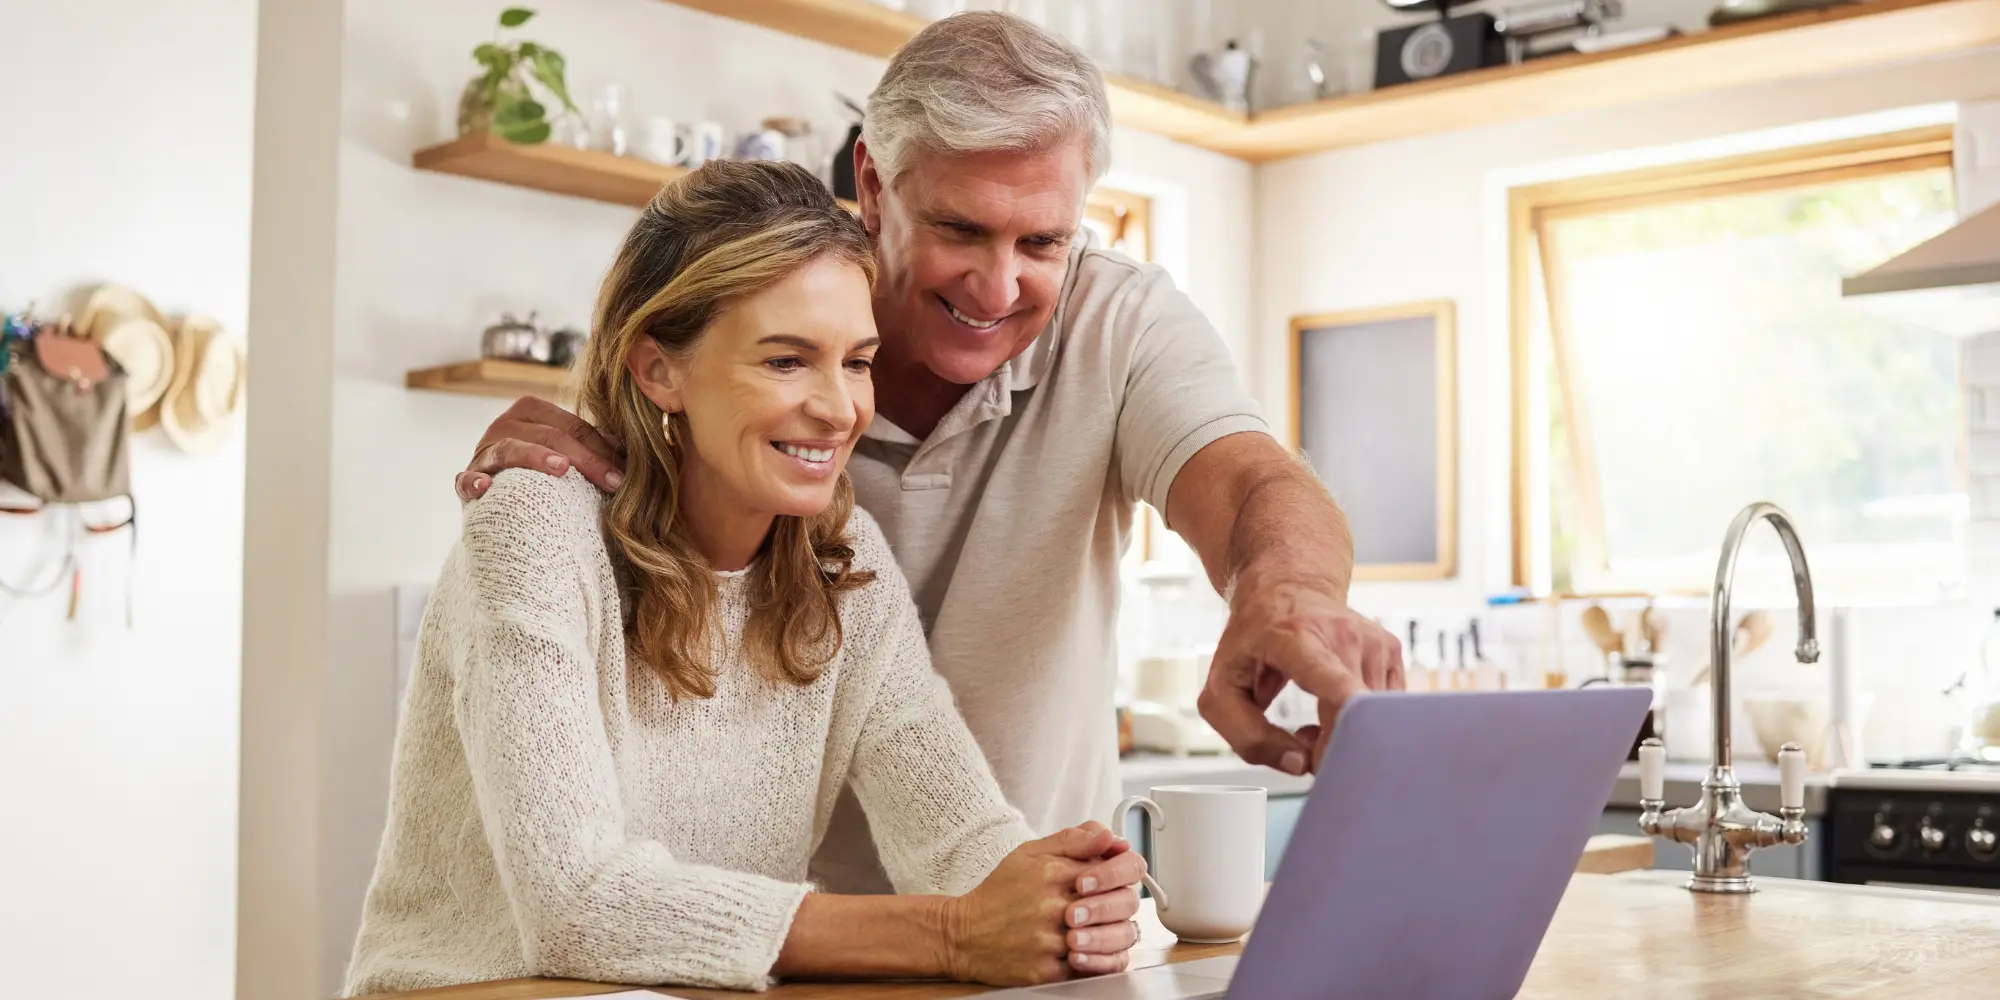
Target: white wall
{"x": 118, "y": 749}
{"x": 426, "y": 260}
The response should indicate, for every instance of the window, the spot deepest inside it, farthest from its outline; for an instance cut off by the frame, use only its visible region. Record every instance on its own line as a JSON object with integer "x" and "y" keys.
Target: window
{"x": 1682, "y": 349}
{"x": 1122, "y": 221}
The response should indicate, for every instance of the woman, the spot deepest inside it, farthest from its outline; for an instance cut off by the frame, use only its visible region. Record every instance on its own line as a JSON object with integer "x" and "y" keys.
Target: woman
{"x": 630, "y": 718}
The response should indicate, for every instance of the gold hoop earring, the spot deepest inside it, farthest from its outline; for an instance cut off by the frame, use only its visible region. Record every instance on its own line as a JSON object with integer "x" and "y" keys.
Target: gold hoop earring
{"x": 667, "y": 426}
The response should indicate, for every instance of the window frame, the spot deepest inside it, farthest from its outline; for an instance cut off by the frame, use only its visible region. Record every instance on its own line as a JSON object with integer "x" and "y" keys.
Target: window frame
{"x": 1531, "y": 208}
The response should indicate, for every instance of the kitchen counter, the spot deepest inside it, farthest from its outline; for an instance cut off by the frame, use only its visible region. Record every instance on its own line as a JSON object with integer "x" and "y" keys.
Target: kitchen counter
{"x": 1140, "y": 772}
{"x": 1633, "y": 934}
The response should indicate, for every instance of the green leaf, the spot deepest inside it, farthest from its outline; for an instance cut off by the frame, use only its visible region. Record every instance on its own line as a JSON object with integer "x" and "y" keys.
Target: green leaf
{"x": 518, "y": 112}
{"x": 528, "y": 50}
{"x": 547, "y": 67}
{"x": 496, "y": 58}
{"x": 526, "y": 134}
{"x": 514, "y": 17}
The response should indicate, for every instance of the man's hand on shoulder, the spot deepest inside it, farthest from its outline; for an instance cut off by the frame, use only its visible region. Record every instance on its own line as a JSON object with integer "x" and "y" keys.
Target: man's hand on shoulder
{"x": 537, "y": 434}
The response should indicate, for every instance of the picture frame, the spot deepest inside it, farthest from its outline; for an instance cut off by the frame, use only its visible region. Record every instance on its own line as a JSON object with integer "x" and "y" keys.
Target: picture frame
{"x": 1373, "y": 408}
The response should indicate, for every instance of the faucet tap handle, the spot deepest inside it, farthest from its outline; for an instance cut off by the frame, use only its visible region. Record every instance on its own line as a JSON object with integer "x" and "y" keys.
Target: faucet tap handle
{"x": 1791, "y": 777}
{"x": 1652, "y": 770}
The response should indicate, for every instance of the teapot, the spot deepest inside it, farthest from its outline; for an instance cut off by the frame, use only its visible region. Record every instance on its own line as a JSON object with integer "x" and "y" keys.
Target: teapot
{"x": 515, "y": 340}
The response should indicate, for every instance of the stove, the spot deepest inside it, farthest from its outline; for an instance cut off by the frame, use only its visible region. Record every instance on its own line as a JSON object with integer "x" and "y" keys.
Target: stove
{"x": 1931, "y": 824}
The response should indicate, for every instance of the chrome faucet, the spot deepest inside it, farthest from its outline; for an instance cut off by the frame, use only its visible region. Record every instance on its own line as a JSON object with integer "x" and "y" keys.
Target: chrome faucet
{"x": 1722, "y": 830}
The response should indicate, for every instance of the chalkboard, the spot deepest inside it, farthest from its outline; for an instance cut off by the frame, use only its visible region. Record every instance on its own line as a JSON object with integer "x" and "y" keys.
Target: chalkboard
{"x": 1373, "y": 410}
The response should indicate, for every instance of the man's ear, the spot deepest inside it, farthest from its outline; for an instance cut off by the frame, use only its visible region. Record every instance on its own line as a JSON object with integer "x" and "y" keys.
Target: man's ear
{"x": 658, "y": 376}
{"x": 868, "y": 188}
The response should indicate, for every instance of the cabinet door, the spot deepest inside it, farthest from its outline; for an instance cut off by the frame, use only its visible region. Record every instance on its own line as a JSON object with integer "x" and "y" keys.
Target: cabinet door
{"x": 1280, "y": 817}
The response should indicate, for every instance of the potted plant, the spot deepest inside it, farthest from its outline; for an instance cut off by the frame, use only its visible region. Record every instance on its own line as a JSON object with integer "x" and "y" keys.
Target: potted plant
{"x": 501, "y": 98}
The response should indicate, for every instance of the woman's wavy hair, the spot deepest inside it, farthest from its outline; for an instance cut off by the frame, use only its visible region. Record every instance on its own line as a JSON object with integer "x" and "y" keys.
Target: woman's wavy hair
{"x": 724, "y": 232}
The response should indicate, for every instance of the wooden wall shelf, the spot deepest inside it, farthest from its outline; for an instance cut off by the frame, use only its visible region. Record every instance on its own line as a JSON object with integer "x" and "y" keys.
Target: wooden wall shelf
{"x": 493, "y": 377}
{"x": 583, "y": 173}
{"x": 1810, "y": 43}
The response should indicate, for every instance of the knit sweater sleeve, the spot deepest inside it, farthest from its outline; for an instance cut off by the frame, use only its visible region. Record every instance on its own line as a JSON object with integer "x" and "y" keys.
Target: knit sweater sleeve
{"x": 938, "y": 816}
{"x": 590, "y": 901}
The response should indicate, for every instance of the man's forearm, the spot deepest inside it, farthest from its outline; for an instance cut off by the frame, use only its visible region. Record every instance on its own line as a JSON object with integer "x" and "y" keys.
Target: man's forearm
{"x": 1250, "y": 508}
{"x": 1288, "y": 527}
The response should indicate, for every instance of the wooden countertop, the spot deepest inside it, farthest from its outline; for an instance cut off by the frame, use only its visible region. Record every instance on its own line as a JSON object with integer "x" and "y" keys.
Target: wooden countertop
{"x": 1632, "y": 934}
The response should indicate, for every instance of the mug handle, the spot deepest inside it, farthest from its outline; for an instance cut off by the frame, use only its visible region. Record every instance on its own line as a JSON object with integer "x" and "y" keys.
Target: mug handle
{"x": 1152, "y": 810}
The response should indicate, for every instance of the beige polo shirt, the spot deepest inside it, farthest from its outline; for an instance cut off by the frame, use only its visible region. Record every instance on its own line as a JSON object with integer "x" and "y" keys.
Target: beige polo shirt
{"x": 1010, "y": 518}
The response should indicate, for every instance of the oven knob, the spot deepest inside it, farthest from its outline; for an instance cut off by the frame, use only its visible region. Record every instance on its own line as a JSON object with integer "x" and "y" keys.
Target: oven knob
{"x": 1932, "y": 837}
{"x": 1980, "y": 841}
{"x": 1883, "y": 837}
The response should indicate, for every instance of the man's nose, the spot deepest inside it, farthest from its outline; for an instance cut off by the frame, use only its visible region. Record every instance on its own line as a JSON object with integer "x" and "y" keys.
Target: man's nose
{"x": 994, "y": 287}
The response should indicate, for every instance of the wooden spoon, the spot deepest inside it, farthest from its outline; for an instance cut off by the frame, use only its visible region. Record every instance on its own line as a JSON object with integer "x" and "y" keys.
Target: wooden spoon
{"x": 1751, "y": 633}
{"x": 1597, "y": 625}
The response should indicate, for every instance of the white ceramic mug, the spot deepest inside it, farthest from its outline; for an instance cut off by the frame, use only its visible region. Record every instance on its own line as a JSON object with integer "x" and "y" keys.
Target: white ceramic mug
{"x": 1207, "y": 875}
{"x": 667, "y": 142}
{"x": 709, "y": 141}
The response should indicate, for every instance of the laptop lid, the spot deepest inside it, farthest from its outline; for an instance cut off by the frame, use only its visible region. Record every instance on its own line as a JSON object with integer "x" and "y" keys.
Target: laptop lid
{"x": 1439, "y": 836}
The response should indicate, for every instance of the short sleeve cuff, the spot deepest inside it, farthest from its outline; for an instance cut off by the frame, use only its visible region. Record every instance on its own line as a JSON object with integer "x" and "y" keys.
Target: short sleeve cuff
{"x": 1162, "y": 478}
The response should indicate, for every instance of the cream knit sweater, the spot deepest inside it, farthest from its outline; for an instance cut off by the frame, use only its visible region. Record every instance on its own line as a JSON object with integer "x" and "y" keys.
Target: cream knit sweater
{"x": 553, "y": 812}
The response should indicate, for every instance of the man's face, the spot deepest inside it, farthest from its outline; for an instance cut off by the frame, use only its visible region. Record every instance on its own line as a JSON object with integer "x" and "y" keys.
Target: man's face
{"x": 972, "y": 250}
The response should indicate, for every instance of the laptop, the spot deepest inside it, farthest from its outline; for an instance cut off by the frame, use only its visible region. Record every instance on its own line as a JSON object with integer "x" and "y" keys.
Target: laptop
{"x": 1437, "y": 840}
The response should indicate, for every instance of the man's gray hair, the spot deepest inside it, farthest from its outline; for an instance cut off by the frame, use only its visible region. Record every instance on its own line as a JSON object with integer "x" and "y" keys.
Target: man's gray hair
{"x": 983, "y": 81}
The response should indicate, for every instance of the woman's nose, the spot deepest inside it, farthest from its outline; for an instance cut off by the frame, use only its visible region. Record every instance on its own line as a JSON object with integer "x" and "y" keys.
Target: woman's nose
{"x": 832, "y": 403}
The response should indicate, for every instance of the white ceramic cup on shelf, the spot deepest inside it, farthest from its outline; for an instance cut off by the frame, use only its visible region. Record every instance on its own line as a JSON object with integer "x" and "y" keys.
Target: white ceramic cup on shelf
{"x": 1207, "y": 877}
{"x": 707, "y": 141}
{"x": 667, "y": 141}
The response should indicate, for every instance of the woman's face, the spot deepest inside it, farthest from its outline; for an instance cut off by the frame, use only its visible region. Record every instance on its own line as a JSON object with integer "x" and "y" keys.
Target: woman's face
{"x": 777, "y": 391}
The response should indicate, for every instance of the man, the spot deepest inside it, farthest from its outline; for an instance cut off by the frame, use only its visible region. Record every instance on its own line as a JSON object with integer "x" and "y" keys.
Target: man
{"x": 1029, "y": 390}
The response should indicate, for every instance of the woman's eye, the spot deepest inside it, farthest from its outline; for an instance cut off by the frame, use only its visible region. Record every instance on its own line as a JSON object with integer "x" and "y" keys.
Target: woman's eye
{"x": 786, "y": 364}
{"x": 860, "y": 364}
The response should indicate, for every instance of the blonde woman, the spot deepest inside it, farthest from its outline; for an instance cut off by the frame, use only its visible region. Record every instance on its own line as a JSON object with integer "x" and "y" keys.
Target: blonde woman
{"x": 630, "y": 717}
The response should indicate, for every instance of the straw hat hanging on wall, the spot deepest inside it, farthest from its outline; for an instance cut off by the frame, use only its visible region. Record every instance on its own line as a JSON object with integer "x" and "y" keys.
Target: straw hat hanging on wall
{"x": 206, "y": 394}
{"x": 132, "y": 332}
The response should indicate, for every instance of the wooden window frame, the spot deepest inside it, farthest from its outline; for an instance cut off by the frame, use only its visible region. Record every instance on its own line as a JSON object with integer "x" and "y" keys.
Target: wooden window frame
{"x": 1532, "y": 208}
{"x": 1443, "y": 314}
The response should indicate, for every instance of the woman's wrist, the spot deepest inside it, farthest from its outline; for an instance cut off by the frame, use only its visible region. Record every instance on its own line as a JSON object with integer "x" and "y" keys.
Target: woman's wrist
{"x": 872, "y": 937}
{"x": 944, "y": 927}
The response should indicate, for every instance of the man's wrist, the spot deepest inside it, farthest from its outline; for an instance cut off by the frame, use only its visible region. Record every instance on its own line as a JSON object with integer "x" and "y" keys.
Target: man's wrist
{"x": 1322, "y": 572}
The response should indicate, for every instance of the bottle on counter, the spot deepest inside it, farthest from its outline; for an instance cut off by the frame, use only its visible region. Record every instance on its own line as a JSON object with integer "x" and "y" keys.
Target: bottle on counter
{"x": 1416, "y": 676}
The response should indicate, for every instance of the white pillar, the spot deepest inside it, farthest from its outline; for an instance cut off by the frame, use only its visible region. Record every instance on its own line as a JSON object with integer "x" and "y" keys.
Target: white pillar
{"x": 287, "y": 490}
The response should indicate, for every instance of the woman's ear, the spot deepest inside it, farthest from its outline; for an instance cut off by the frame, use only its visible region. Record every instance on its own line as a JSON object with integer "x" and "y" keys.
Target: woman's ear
{"x": 657, "y": 376}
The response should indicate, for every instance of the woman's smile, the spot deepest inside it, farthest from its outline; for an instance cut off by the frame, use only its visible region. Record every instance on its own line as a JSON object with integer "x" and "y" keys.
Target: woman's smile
{"x": 813, "y": 459}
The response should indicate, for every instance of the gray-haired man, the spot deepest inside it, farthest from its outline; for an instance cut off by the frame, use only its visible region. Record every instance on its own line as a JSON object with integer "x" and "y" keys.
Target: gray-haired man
{"x": 1029, "y": 390}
